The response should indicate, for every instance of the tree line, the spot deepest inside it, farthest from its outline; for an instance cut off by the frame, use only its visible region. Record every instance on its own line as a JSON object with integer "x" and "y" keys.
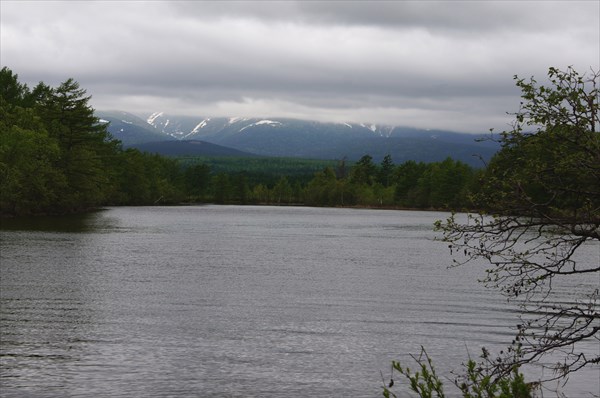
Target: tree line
{"x": 439, "y": 185}
{"x": 56, "y": 157}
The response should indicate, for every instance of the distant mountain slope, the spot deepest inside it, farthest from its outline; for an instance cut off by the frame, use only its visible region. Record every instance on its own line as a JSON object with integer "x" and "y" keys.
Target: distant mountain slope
{"x": 279, "y": 137}
{"x": 403, "y": 149}
{"x": 130, "y": 129}
{"x": 190, "y": 148}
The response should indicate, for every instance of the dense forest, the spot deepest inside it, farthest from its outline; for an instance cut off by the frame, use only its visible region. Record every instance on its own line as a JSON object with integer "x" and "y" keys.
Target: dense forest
{"x": 57, "y": 158}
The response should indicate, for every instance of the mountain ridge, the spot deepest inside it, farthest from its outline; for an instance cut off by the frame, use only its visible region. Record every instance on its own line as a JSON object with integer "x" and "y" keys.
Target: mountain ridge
{"x": 285, "y": 137}
{"x": 192, "y": 148}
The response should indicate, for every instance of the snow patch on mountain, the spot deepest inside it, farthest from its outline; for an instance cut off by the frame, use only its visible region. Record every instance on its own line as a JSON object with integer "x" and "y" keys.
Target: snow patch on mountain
{"x": 383, "y": 131}
{"x": 153, "y": 117}
{"x": 372, "y": 127}
{"x": 200, "y": 125}
{"x": 236, "y": 119}
{"x": 267, "y": 122}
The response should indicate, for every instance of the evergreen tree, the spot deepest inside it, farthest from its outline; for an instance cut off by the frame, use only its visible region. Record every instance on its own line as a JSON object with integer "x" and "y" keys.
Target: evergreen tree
{"x": 364, "y": 171}
{"x": 197, "y": 179}
{"x": 29, "y": 180}
{"x": 407, "y": 181}
{"x": 55, "y": 156}
{"x": 222, "y": 188}
{"x": 386, "y": 171}
{"x": 321, "y": 190}
{"x": 85, "y": 145}
{"x": 13, "y": 92}
{"x": 241, "y": 189}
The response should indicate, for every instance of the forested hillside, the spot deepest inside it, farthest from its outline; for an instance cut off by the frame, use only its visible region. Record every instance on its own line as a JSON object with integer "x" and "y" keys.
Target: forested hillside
{"x": 57, "y": 157}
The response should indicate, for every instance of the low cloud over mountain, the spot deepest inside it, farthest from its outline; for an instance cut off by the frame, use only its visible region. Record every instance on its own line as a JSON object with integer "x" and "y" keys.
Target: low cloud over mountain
{"x": 279, "y": 137}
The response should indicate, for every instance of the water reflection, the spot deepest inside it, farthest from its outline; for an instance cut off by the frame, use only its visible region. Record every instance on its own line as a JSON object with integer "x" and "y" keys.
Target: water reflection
{"x": 68, "y": 223}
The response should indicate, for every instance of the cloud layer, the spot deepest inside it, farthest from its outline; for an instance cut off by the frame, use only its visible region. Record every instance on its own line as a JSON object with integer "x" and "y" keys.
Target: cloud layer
{"x": 446, "y": 64}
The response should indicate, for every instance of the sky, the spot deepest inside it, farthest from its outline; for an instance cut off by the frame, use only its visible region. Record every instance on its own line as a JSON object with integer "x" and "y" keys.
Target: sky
{"x": 425, "y": 64}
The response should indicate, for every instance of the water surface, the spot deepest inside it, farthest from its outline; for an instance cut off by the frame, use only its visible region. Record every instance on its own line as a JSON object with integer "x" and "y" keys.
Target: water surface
{"x": 230, "y": 301}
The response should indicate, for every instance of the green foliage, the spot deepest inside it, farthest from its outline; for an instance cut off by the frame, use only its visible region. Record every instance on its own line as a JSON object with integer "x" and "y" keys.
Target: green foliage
{"x": 539, "y": 202}
{"x": 551, "y": 172}
{"x": 262, "y": 170}
{"x": 241, "y": 189}
{"x": 223, "y": 190}
{"x": 475, "y": 383}
{"x": 11, "y": 90}
{"x": 440, "y": 185}
{"x": 425, "y": 382}
{"x": 30, "y": 182}
{"x": 197, "y": 179}
{"x": 324, "y": 190}
{"x": 143, "y": 179}
{"x": 478, "y": 384}
{"x": 408, "y": 192}
{"x": 386, "y": 171}
{"x": 55, "y": 156}
{"x": 448, "y": 184}
{"x": 29, "y": 178}
{"x": 364, "y": 171}
{"x": 283, "y": 191}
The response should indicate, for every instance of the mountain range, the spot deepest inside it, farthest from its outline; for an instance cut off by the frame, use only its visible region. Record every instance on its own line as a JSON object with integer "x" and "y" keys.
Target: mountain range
{"x": 276, "y": 137}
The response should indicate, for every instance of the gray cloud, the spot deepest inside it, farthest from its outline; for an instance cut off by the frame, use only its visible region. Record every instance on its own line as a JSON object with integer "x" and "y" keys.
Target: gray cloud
{"x": 456, "y": 15}
{"x": 446, "y": 64}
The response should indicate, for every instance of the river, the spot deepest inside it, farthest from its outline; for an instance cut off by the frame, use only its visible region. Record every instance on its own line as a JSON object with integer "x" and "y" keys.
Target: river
{"x": 236, "y": 301}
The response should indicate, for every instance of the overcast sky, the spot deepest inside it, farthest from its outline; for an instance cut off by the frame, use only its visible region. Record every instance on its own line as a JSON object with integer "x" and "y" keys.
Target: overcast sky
{"x": 428, "y": 64}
